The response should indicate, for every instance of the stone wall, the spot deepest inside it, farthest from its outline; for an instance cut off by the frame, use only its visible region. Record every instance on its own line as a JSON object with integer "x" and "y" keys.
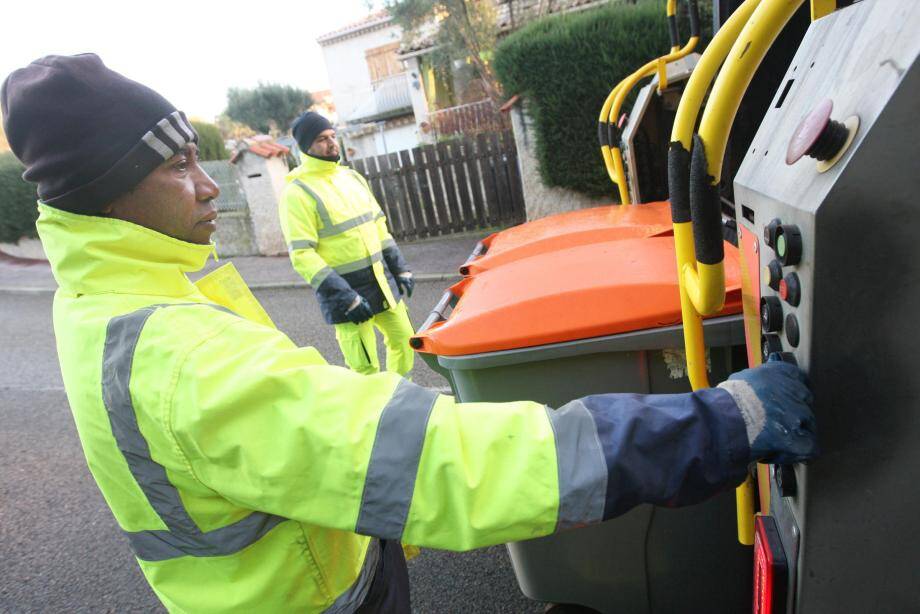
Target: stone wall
{"x": 540, "y": 200}
{"x": 262, "y": 180}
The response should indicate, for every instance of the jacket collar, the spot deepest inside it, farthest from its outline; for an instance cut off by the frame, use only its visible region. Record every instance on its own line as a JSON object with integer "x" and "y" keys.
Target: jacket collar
{"x": 95, "y": 255}
{"x": 315, "y": 165}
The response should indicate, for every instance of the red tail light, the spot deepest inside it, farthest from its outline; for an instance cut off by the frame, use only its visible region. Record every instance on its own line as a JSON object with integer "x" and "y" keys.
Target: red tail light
{"x": 771, "y": 570}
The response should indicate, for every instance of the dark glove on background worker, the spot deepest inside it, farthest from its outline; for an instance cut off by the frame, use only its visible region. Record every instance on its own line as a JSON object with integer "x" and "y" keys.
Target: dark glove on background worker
{"x": 406, "y": 283}
{"x": 775, "y": 404}
{"x": 359, "y": 311}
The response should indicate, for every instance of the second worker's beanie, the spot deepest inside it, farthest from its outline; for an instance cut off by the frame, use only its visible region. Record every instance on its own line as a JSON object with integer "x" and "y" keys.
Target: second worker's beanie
{"x": 307, "y": 127}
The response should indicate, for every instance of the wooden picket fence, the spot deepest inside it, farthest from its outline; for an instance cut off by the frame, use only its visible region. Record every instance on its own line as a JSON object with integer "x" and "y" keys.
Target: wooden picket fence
{"x": 456, "y": 186}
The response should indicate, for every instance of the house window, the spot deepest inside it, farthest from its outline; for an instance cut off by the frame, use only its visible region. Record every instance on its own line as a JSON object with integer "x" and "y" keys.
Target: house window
{"x": 382, "y": 62}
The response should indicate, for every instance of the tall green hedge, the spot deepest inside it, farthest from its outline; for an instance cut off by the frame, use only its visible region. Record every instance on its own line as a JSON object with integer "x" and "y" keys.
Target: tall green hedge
{"x": 564, "y": 67}
{"x": 18, "y": 209}
{"x": 210, "y": 142}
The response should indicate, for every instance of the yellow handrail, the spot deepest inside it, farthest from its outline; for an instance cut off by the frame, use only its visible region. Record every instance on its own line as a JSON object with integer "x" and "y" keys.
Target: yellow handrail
{"x": 613, "y": 157}
{"x": 681, "y": 136}
{"x": 702, "y": 283}
{"x": 685, "y": 250}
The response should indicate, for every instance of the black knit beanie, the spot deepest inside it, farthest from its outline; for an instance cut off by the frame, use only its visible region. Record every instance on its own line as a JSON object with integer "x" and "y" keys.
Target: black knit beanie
{"x": 307, "y": 127}
{"x": 87, "y": 134}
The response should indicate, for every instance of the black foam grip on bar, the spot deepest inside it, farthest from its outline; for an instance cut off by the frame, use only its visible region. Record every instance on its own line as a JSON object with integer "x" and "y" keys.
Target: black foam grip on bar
{"x": 704, "y": 209}
{"x": 613, "y": 134}
{"x": 679, "y": 182}
{"x": 694, "y": 18}
{"x": 672, "y": 27}
{"x": 602, "y": 133}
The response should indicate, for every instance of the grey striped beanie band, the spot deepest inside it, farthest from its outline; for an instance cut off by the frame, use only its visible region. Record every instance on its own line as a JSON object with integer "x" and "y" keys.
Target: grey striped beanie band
{"x": 170, "y": 135}
{"x": 85, "y": 133}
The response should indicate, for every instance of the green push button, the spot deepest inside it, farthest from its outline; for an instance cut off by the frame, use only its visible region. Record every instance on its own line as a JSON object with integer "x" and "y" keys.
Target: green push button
{"x": 781, "y": 246}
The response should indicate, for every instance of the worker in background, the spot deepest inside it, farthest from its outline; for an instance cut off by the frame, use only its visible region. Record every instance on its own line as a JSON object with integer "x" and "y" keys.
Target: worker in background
{"x": 338, "y": 241}
{"x": 247, "y": 474}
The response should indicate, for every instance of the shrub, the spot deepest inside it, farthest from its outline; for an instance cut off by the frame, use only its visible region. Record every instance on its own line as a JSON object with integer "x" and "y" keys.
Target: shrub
{"x": 564, "y": 67}
{"x": 18, "y": 209}
{"x": 210, "y": 142}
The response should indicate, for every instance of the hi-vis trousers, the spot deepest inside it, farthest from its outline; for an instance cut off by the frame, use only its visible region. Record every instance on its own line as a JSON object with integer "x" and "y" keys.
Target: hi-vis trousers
{"x": 359, "y": 341}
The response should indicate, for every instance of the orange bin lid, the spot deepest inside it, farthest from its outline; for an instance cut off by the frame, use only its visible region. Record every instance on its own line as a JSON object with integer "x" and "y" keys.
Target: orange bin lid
{"x": 585, "y": 291}
{"x": 570, "y": 229}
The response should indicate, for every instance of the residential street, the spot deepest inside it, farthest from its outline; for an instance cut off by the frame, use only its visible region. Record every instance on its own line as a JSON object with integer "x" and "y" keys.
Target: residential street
{"x": 60, "y": 549}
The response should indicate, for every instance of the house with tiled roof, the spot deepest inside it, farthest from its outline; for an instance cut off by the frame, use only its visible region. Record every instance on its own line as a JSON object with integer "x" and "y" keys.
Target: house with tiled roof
{"x": 371, "y": 89}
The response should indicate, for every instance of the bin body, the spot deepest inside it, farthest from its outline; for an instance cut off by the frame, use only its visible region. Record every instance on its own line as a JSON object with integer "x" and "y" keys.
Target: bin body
{"x": 563, "y": 317}
{"x": 651, "y": 559}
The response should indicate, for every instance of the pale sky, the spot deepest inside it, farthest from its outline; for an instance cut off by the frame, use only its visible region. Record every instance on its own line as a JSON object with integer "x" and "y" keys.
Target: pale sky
{"x": 192, "y": 51}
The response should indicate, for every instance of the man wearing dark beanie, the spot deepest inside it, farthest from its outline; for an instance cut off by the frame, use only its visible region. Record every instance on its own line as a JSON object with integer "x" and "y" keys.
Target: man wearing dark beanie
{"x": 246, "y": 473}
{"x": 339, "y": 242}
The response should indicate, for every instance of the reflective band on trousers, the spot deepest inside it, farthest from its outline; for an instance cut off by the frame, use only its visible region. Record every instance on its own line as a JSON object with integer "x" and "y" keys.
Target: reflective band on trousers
{"x": 329, "y": 229}
{"x": 182, "y": 536}
{"x": 581, "y": 465}
{"x": 390, "y": 479}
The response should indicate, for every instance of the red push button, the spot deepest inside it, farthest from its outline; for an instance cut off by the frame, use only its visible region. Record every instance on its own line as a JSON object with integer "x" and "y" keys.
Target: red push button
{"x": 790, "y": 289}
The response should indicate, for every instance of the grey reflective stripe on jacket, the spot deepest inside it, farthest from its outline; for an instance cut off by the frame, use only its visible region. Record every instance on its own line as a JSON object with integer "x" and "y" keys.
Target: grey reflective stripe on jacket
{"x": 357, "y": 265}
{"x": 581, "y": 465}
{"x": 329, "y": 229}
{"x": 182, "y": 536}
{"x": 390, "y": 480}
{"x": 351, "y": 599}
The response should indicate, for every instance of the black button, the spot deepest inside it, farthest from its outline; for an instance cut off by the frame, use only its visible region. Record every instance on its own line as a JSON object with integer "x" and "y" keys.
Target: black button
{"x": 790, "y": 289}
{"x": 792, "y": 330}
{"x": 771, "y": 314}
{"x": 788, "y": 244}
{"x": 769, "y": 344}
{"x": 773, "y": 273}
{"x": 769, "y": 232}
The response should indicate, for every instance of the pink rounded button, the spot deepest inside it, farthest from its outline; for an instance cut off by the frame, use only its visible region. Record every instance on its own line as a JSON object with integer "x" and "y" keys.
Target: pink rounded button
{"x": 808, "y": 131}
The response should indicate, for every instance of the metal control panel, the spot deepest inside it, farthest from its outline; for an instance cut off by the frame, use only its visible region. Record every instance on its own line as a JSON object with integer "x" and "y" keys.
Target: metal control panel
{"x": 828, "y": 208}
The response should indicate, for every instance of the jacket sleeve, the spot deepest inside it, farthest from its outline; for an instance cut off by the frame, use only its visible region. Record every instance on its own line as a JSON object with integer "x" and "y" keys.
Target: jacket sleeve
{"x": 271, "y": 427}
{"x": 300, "y": 228}
{"x": 391, "y": 252}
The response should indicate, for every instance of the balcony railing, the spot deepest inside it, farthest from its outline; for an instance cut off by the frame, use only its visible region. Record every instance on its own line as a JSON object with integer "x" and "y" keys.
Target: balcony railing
{"x": 388, "y": 97}
{"x": 468, "y": 119}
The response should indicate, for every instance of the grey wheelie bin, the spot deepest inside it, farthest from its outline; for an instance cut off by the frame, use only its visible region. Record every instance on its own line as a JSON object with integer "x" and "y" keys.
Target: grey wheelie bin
{"x": 596, "y": 318}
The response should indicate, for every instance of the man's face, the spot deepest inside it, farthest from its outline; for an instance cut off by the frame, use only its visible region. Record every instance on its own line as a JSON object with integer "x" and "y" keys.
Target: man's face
{"x": 176, "y": 199}
{"x": 325, "y": 145}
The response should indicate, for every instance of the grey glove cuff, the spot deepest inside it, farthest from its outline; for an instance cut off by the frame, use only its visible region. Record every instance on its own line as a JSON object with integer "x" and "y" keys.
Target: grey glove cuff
{"x": 750, "y": 406}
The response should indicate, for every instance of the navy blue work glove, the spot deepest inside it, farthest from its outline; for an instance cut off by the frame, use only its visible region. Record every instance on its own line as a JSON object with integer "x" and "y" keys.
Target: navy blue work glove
{"x": 405, "y": 283}
{"x": 360, "y": 310}
{"x": 775, "y": 402}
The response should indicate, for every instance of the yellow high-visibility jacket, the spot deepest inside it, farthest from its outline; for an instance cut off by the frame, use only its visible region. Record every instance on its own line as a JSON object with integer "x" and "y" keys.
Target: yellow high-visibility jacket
{"x": 250, "y": 476}
{"x": 338, "y": 239}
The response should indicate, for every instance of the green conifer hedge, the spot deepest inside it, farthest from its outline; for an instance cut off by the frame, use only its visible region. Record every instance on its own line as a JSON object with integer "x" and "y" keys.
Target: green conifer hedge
{"x": 564, "y": 67}
{"x": 18, "y": 201}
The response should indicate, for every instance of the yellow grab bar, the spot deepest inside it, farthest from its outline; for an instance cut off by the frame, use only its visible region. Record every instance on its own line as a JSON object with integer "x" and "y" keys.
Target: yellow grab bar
{"x": 608, "y": 132}
{"x": 679, "y": 188}
{"x": 699, "y": 250}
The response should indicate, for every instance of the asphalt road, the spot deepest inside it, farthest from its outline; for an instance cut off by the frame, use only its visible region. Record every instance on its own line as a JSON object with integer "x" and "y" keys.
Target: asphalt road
{"x": 60, "y": 549}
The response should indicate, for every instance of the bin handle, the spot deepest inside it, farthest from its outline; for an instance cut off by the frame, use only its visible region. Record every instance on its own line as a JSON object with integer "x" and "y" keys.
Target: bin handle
{"x": 438, "y": 314}
{"x": 481, "y": 248}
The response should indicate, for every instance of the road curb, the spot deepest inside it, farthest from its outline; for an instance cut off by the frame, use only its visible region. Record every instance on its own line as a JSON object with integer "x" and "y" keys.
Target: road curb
{"x": 269, "y": 285}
